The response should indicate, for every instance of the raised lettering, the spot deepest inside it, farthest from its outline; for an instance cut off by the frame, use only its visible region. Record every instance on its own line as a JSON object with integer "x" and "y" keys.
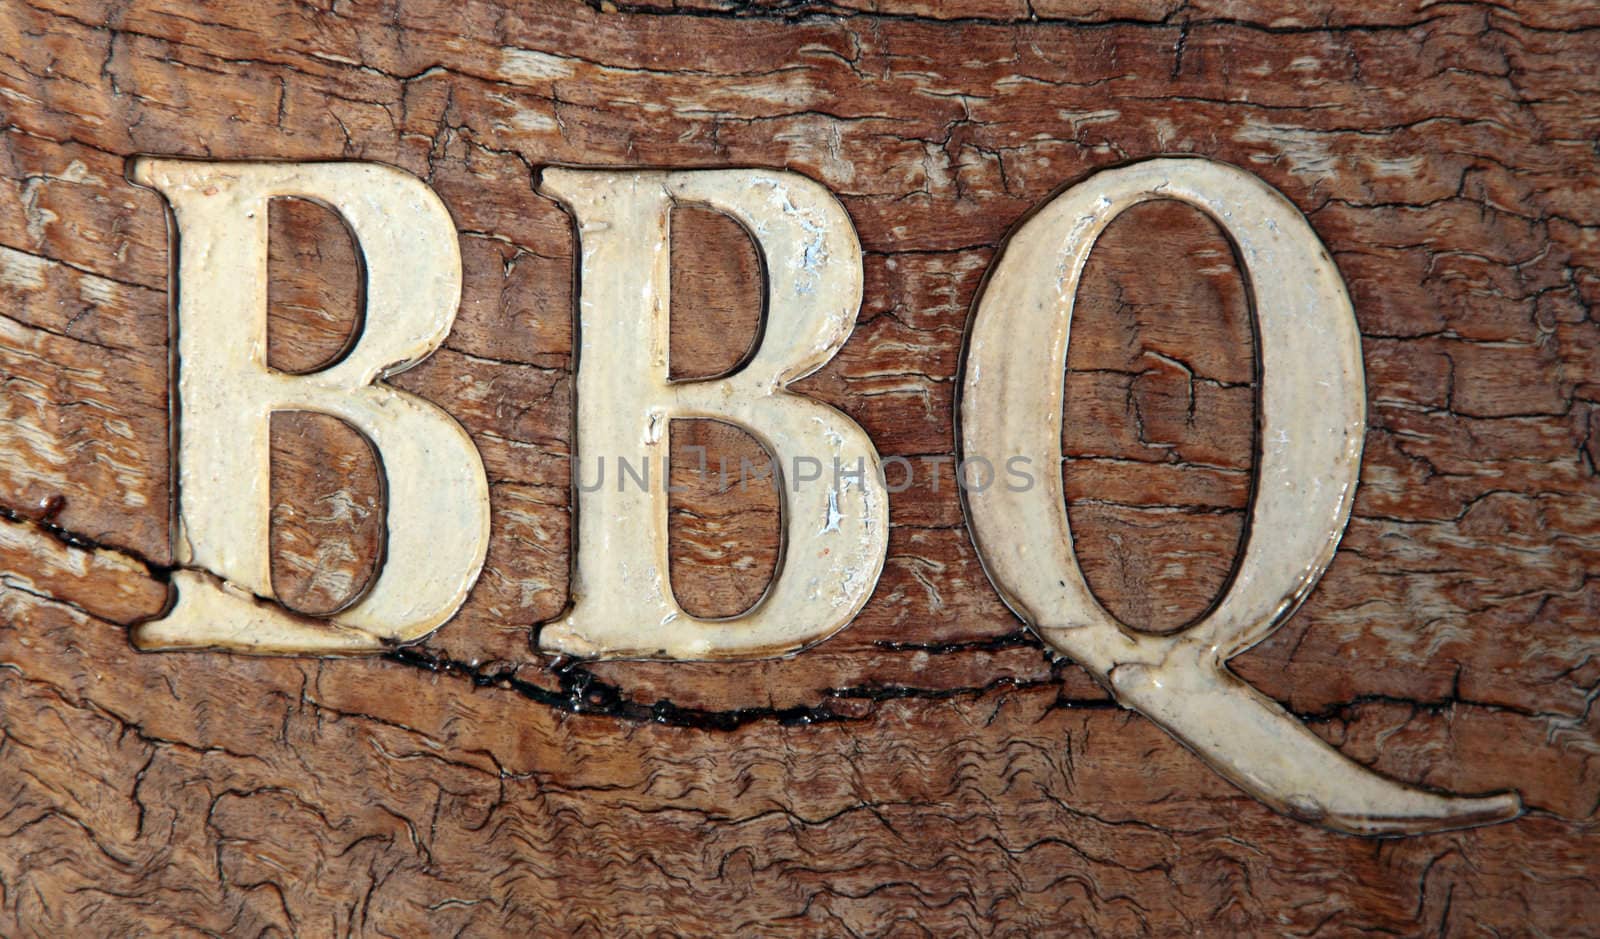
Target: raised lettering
{"x": 1309, "y": 428}
{"x": 835, "y": 528}
{"x": 436, "y": 492}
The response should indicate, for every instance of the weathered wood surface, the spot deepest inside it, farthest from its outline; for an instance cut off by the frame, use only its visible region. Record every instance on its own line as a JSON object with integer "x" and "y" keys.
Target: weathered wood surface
{"x": 928, "y": 771}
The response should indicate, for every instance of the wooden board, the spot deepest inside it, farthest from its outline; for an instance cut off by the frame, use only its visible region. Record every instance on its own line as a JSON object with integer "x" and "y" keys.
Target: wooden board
{"x": 930, "y": 770}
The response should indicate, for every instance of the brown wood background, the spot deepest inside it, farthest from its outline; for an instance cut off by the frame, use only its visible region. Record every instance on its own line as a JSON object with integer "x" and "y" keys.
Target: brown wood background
{"x": 930, "y": 770}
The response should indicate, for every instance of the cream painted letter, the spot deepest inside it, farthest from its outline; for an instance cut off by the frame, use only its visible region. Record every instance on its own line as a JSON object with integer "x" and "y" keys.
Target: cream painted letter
{"x": 436, "y": 492}
{"x": 835, "y": 528}
{"x": 1310, "y": 428}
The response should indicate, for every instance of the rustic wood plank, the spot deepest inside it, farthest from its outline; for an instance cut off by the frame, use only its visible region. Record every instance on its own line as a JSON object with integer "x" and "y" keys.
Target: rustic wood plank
{"x": 930, "y": 769}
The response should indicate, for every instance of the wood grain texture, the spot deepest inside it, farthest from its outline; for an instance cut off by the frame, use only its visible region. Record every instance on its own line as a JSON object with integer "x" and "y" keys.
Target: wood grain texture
{"x": 929, "y": 770}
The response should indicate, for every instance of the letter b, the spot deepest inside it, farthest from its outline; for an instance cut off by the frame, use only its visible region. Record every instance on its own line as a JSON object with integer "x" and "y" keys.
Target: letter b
{"x": 436, "y": 493}
{"x": 835, "y": 532}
